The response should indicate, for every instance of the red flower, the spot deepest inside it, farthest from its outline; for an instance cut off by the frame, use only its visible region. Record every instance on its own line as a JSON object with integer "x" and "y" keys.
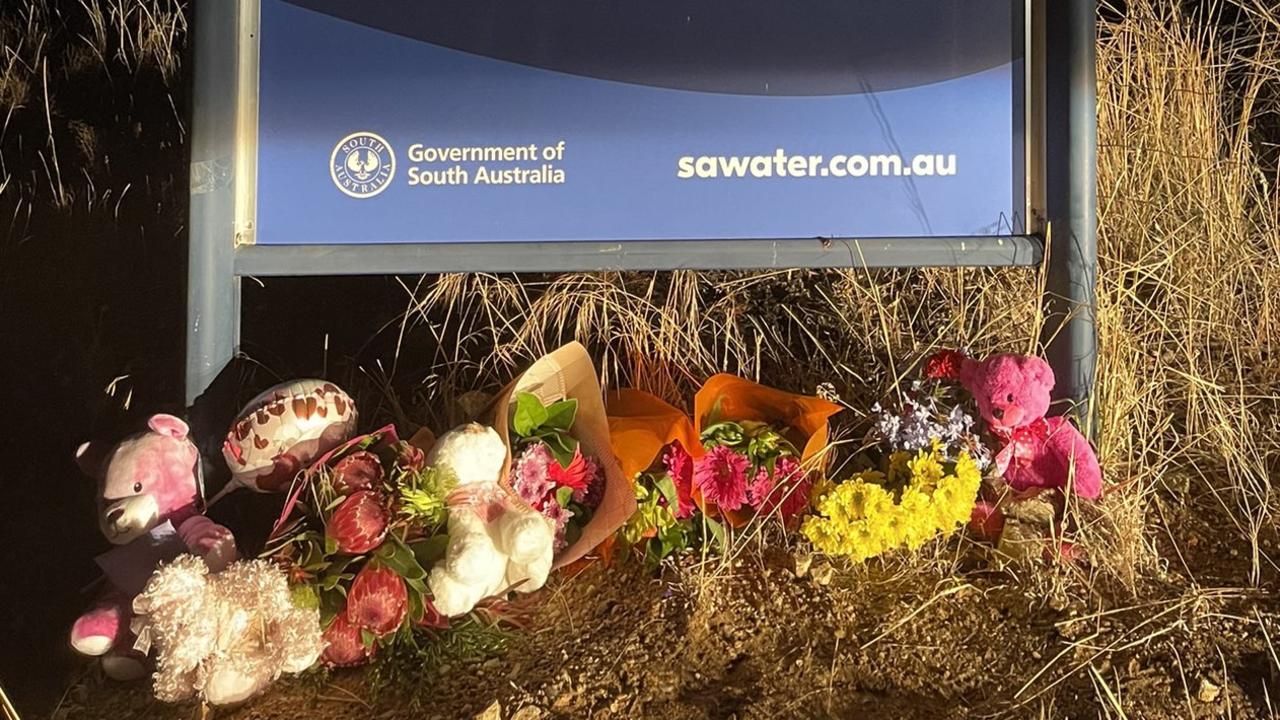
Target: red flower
{"x": 359, "y": 524}
{"x": 944, "y": 365}
{"x": 679, "y": 465}
{"x": 357, "y": 471}
{"x": 410, "y": 457}
{"x": 576, "y": 476}
{"x": 343, "y": 645}
{"x": 721, "y": 476}
{"x": 378, "y": 601}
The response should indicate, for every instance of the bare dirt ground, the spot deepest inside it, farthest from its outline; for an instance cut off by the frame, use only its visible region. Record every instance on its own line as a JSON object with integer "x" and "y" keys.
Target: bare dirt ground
{"x": 780, "y": 635}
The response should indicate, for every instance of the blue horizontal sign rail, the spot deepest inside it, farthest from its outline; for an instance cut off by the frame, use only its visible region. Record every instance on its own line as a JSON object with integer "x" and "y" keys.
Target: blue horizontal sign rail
{"x": 392, "y": 259}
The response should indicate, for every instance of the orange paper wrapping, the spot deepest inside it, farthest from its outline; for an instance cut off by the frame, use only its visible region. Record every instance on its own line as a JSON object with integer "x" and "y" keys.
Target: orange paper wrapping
{"x": 640, "y": 425}
{"x": 803, "y": 420}
{"x": 569, "y": 373}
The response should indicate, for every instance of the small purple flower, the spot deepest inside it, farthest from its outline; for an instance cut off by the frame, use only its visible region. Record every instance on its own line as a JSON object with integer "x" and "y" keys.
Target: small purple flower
{"x": 530, "y": 476}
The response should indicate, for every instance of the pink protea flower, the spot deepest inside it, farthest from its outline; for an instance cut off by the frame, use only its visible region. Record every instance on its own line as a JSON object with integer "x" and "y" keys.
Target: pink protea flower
{"x": 530, "y": 475}
{"x": 721, "y": 476}
{"x": 343, "y": 646}
{"x": 679, "y": 464}
{"x": 357, "y": 471}
{"x": 378, "y": 600}
{"x": 359, "y": 524}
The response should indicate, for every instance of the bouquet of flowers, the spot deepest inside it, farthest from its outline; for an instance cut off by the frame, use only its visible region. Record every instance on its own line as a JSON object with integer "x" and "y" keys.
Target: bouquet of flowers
{"x": 926, "y": 464}
{"x": 550, "y": 471}
{"x": 762, "y": 449}
{"x": 653, "y": 441}
{"x": 755, "y": 455}
{"x": 360, "y": 530}
{"x": 552, "y": 420}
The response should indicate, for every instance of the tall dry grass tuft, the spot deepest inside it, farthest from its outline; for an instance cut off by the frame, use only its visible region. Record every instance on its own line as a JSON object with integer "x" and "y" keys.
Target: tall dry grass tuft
{"x": 1189, "y": 247}
{"x": 1189, "y": 252}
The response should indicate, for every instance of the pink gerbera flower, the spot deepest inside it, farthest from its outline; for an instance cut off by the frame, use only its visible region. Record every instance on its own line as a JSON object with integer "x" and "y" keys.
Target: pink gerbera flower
{"x": 759, "y": 490}
{"x": 795, "y": 485}
{"x": 788, "y": 488}
{"x": 721, "y": 476}
{"x": 679, "y": 464}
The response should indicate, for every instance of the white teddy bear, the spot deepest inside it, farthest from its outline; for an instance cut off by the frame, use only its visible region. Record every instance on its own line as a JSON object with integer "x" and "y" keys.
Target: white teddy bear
{"x": 496, "y": 542}
{"x": 223, "y": 638}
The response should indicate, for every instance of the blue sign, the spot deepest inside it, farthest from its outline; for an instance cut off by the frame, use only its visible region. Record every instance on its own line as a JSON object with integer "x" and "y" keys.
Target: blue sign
{"x": 616, "y": 120}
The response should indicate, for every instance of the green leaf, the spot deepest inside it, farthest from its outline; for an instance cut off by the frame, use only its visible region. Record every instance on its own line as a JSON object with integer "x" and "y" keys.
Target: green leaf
{"x": 530, "y": 414}
{"x": 304, "y": 596}
{"x": 331, "y": 603}
{"x": 417, "y": 585}
{"x": 717, "y": 531}
{"x": 562, "y": 447}
{"x": 430, "y": 551}
{"x": 667, "y": 487}
{"x": 416, "y": 607}
{"x": 564, "y": 496}
{"x": 330, "y": 546}
{"x": 368, "y": 638}
{"x": 397, "y": 556}
{"x": 560, "y": 415}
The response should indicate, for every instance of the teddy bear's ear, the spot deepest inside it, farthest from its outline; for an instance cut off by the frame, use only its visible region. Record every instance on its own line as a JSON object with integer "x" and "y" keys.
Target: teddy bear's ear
{"x": 169, "y": 425}
{"x": 1039, "y": 371}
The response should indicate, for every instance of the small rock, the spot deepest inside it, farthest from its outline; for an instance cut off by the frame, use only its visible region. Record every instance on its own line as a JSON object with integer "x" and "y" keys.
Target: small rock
{"x": 493, "y": 712}
{"x": 528, "y": 712}
{"x": 1209, "y": 691}
{"x": 803, "y": 561}
{"x": 823, "y": 573}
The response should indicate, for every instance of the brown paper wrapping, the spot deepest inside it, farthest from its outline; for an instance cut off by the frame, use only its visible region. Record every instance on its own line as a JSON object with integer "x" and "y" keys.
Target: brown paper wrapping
{"x": 569, "y": 372}
{"x": 641, "y": 424}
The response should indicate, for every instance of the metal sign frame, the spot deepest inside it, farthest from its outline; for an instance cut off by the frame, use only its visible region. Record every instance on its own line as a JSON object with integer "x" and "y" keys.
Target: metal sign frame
{"x": 1060, "y": 154}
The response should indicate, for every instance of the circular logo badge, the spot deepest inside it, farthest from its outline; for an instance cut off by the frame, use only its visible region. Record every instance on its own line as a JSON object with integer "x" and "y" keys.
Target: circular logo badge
{"x": 362, "y": 165}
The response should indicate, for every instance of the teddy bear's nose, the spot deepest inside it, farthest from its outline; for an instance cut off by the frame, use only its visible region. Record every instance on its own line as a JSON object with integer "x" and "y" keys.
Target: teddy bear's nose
{"x": 997, "y": 413}
{"x": 114, "y": 516}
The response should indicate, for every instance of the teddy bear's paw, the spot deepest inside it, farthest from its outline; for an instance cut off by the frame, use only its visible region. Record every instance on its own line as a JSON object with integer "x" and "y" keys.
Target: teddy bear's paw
{"x": 97, "y": 631}
{"x": 124, "y": 666}
{"x": 227, "y": 686}
{"x": 527, "y": 537}
{"x": 451, "y": 597}
{"x": 210, "y": 541}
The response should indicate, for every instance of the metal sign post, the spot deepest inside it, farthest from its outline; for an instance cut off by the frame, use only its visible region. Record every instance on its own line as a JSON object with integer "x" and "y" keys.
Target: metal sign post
{"x": 247, "y": 219}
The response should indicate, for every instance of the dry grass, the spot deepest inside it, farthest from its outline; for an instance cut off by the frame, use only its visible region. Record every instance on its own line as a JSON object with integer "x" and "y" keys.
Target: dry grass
{"x": 63, "y": 70}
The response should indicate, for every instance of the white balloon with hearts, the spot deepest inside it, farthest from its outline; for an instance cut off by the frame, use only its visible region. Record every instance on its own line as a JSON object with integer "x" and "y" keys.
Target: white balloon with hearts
{"x": 282, "y": 430}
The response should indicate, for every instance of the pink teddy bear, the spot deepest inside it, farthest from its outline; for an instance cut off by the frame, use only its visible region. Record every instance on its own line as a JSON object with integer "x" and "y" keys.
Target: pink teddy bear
{"x": 149, "y": 495}
{"x": 1012, "y": 392}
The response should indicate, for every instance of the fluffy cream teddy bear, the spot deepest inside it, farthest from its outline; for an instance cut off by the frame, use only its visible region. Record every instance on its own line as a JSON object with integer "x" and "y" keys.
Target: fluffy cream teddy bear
{"x": 496, "y": 542}
{"x": 223, "y": 638}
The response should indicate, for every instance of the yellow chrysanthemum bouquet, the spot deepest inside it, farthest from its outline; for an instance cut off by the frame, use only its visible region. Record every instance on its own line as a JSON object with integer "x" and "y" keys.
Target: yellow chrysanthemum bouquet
{"x": 921, "y": 497}
{"x": 927, "y": 465}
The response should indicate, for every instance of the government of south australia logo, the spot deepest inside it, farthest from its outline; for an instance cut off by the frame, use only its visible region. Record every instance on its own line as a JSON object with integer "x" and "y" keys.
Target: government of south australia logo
{"x": 362, "y": 165}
